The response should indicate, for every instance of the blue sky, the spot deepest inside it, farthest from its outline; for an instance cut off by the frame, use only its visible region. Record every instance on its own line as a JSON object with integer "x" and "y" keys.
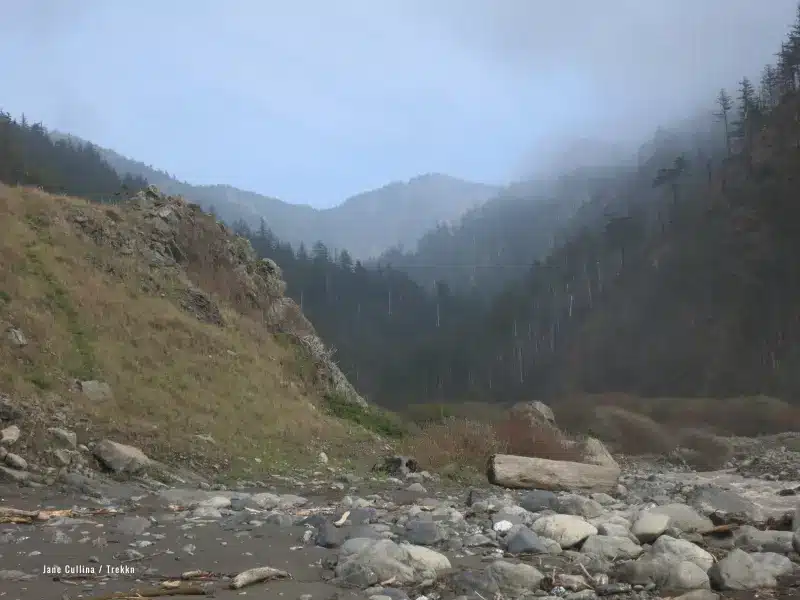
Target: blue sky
{"x": 313, "y": 101}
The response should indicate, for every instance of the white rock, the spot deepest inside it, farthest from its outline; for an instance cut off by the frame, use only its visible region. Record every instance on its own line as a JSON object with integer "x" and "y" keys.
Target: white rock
{"x": 9, "y": 435}
{"x": 567, "y": 530}
{"x": 684, "y": 518}
{"x": 502, "y": 526}
{"x": 16, "y": 337}
{"x": 611, "y": 547}
{"x": 120, "y": 458}
{"x": 649, "y": 526}
{"x": 676, "y": 549}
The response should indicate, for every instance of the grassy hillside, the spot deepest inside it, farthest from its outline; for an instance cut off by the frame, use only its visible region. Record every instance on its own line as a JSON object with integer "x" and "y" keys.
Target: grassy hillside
{"x": 189, "y": 330}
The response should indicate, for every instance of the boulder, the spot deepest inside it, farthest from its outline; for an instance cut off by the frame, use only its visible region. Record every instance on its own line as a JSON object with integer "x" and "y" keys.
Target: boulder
{"x": 120, "y": 458}
{"x": 96, "y": 391}
{"x": 535, "y": 411}
{"x": 567, "y": 530}
{"x": 364, "y": 562}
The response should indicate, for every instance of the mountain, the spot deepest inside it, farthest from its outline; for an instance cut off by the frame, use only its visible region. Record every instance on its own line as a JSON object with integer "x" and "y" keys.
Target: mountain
{"x": 670, "y": 275}
{"x": 497, "y": 242}
{"x": 366, "y": 224}
{"x": 137, "y": 317}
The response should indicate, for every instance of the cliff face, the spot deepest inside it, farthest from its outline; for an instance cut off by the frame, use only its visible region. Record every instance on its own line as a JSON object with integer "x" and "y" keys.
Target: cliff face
{"x": 151, "y": 322}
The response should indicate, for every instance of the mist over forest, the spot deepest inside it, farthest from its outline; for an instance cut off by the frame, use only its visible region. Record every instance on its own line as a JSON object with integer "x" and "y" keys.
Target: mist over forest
{"x": 646, "y": 248}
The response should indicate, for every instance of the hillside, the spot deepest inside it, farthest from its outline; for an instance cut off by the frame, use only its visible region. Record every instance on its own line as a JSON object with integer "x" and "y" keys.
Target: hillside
{"x": 149, "y": 322}
{"x": 366, "y": 224}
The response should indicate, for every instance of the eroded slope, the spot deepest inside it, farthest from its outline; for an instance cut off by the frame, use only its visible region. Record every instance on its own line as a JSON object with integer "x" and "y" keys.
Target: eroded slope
{"x": 189, "y": 347}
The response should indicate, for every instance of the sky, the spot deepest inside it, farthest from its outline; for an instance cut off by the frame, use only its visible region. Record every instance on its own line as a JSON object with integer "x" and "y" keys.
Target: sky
{"x": 313, "y": 101}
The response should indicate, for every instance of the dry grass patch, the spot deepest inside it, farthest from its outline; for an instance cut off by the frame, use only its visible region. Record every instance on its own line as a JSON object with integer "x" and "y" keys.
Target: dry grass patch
{"x": 90, "y": 312}
{"x": 454, "y": 441}
{"x": 704, "y": 451}
{"x": 459, "y": 442}
{"x": 631, "y": 433}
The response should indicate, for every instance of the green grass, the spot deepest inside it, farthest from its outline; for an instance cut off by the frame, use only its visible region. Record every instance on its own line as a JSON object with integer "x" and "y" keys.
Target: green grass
{"x": 371, "y": 418}
{"x": 83, "y": 364}
{"x": 91, "y": 312}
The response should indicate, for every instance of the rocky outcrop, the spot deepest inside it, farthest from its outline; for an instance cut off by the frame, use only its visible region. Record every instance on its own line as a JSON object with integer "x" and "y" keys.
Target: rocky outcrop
{"x": 166, "y": 232}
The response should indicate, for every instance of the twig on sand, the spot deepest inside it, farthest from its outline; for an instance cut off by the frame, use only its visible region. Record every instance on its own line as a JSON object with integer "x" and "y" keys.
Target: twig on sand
{"x": 152, "y": 593}
{"x": 257, "y": 575}
{"x": 9, "y": 514}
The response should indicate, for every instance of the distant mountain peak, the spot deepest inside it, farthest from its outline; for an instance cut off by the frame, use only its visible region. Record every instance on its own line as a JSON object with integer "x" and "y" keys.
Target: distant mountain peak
{"x": 365, "y": 224}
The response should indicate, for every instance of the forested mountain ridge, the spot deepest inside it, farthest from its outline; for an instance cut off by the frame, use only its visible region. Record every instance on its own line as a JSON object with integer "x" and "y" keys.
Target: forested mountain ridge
{"x": 365, "y": 224}
{"x": 495, "y": 243}
{"x": 674, "y": 277}
{"x": 687, "y": 288}
{"x": 30, "y": 156}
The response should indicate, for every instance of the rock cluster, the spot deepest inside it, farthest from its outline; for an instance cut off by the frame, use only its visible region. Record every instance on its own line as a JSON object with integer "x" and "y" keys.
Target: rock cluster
{"x": 411, "y": 535}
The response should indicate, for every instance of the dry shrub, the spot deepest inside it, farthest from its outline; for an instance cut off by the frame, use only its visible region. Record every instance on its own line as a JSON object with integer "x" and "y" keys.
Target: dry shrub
{"x": 745, "y": 416}
{"x": 631, "y": 433}
{"x": 455, "y": 441}
{"x": 467, "y": 442}
{"x": 527, "y": 437}
{"x": 576, "y": 413}
{"x": 704, "y": 451}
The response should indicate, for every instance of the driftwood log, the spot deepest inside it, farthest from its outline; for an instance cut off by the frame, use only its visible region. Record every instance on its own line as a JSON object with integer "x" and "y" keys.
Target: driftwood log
{"x": 523, "y": 472}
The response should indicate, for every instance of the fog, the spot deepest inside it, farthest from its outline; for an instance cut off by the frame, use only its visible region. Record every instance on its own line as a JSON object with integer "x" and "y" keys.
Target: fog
{"x": 312, "y": 101}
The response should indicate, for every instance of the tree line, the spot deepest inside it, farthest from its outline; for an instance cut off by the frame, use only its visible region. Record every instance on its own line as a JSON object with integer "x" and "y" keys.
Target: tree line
{"x": 674, "y": 277}
{"x": 30, "y": 156}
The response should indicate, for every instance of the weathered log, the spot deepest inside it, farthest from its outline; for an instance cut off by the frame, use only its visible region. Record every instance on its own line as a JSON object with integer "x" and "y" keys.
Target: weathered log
{"x": 523, "y": 472}
{"x": 257, "y": 575}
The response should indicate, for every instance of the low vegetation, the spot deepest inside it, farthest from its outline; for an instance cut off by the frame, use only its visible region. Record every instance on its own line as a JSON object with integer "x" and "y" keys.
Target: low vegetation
{"x": 742, "y": 416}
{"x": 689, "y": 429}
{"x": 194, "y": 372}
{"x": 458, "y": 445}
{"x": 370, "y": 417}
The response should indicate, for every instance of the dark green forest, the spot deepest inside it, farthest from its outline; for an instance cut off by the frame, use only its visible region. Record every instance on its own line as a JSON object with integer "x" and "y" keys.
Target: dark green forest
{"x": 673, "y": 276}
{"x": 30, "y": 156}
